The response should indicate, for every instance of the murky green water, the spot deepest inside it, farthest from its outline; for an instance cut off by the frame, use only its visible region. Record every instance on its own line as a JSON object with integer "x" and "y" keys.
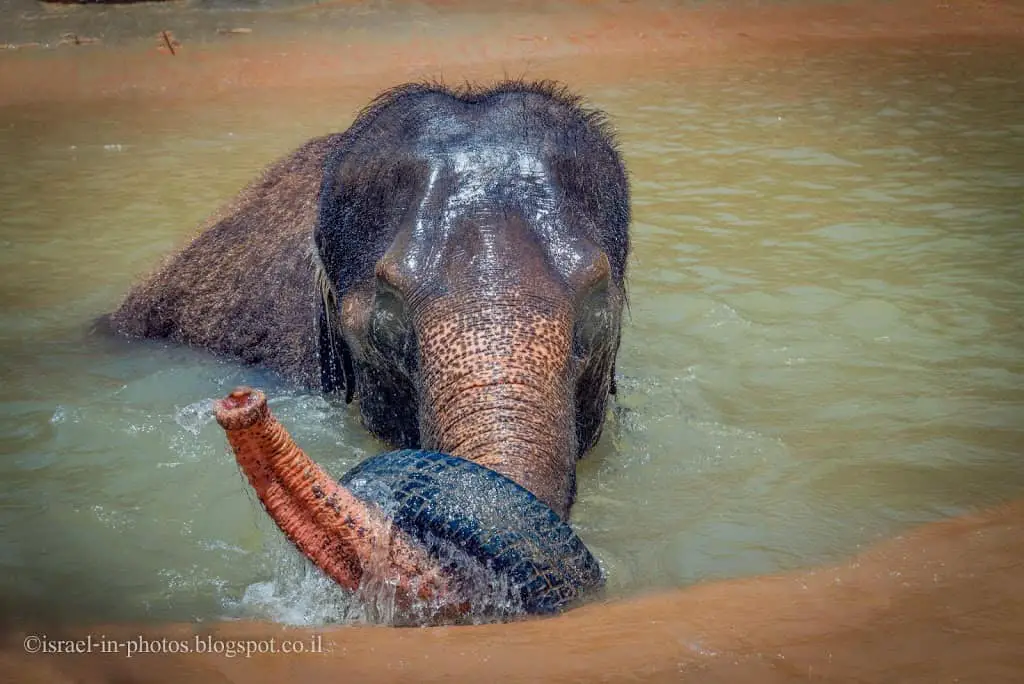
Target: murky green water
{"x": 825, "y": 343}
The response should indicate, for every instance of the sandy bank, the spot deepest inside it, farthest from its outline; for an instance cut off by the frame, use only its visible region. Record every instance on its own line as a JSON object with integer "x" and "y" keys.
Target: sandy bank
{"x": 589, "y": 42}
{"x": 942, "y": 603}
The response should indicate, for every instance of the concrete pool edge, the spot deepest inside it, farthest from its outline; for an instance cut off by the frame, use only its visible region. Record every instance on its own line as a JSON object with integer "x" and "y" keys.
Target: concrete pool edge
{"x": 945, "y": 599}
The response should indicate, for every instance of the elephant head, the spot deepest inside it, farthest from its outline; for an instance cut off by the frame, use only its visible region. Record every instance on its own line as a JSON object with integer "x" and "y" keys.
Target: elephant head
{"x": 456, "y": 260}
{"x": 470, "y": 251}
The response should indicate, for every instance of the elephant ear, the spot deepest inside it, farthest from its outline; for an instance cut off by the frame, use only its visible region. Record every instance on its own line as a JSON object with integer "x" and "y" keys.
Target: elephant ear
{"x": 335, "y": 360}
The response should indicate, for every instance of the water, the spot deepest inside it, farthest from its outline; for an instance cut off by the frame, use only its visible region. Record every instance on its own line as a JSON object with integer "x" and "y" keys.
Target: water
{"x": 823, "y": 347}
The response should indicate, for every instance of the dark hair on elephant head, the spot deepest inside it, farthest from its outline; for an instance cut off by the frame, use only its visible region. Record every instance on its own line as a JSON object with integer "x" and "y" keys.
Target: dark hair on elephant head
{"x": 471, "y": 253}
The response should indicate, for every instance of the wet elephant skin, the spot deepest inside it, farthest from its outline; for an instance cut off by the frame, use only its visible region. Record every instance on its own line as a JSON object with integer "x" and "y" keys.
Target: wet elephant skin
{"x": 455, "y": 260}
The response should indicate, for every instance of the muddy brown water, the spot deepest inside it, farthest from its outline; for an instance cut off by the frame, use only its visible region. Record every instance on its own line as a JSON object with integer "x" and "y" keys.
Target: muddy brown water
{"x": 824, "y": 345}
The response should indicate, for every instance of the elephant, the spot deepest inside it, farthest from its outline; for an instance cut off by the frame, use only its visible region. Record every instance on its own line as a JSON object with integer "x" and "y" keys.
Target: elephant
{"x": 455, "y": 261}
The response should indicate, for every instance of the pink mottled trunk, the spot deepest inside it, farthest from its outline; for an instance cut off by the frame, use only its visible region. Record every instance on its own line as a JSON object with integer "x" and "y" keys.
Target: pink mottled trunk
{"x": 334, "y": 529}
{"x": 496, "y": 392}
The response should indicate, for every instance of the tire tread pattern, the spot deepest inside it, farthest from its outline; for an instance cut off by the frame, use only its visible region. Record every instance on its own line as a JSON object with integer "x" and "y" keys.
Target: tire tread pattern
{"x": 494, "y": 520}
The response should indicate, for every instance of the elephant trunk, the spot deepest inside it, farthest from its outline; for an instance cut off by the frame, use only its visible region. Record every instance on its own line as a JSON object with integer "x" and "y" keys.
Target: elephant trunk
{"x": 341, "y": 534}
{"x": 496, "y": 390}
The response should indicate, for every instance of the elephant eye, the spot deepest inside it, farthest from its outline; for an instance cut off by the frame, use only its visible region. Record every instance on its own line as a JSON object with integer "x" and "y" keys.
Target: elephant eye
{"x": 390, "y": 330}
{"x": 593, "y": 324}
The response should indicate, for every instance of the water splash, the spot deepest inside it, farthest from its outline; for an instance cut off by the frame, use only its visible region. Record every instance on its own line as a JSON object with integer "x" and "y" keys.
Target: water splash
{"x": 195, "y": 416}
{"x": 309, "y": 600}
{"x": 488, "y": 595}
{"x": 63, "y": 414}
{"x": 114, "y": 519}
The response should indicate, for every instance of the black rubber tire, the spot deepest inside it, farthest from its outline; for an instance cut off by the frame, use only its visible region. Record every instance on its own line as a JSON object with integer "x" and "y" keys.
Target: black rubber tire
{"x": 498, "y": 523}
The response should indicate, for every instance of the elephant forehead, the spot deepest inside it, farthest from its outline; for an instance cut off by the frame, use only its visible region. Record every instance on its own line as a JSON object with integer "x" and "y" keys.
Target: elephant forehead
{"x": 488, "y": 174}
{"x": 514, "y": 160}
{"x": 486, "y": 189}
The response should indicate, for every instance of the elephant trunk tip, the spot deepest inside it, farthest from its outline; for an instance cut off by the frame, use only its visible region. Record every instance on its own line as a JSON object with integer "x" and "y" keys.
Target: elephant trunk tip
{"x": 241, "y": 409}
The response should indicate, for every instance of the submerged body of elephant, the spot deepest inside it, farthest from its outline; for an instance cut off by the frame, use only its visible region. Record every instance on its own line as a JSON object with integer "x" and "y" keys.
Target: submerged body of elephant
{"x": 455, "y": 260}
